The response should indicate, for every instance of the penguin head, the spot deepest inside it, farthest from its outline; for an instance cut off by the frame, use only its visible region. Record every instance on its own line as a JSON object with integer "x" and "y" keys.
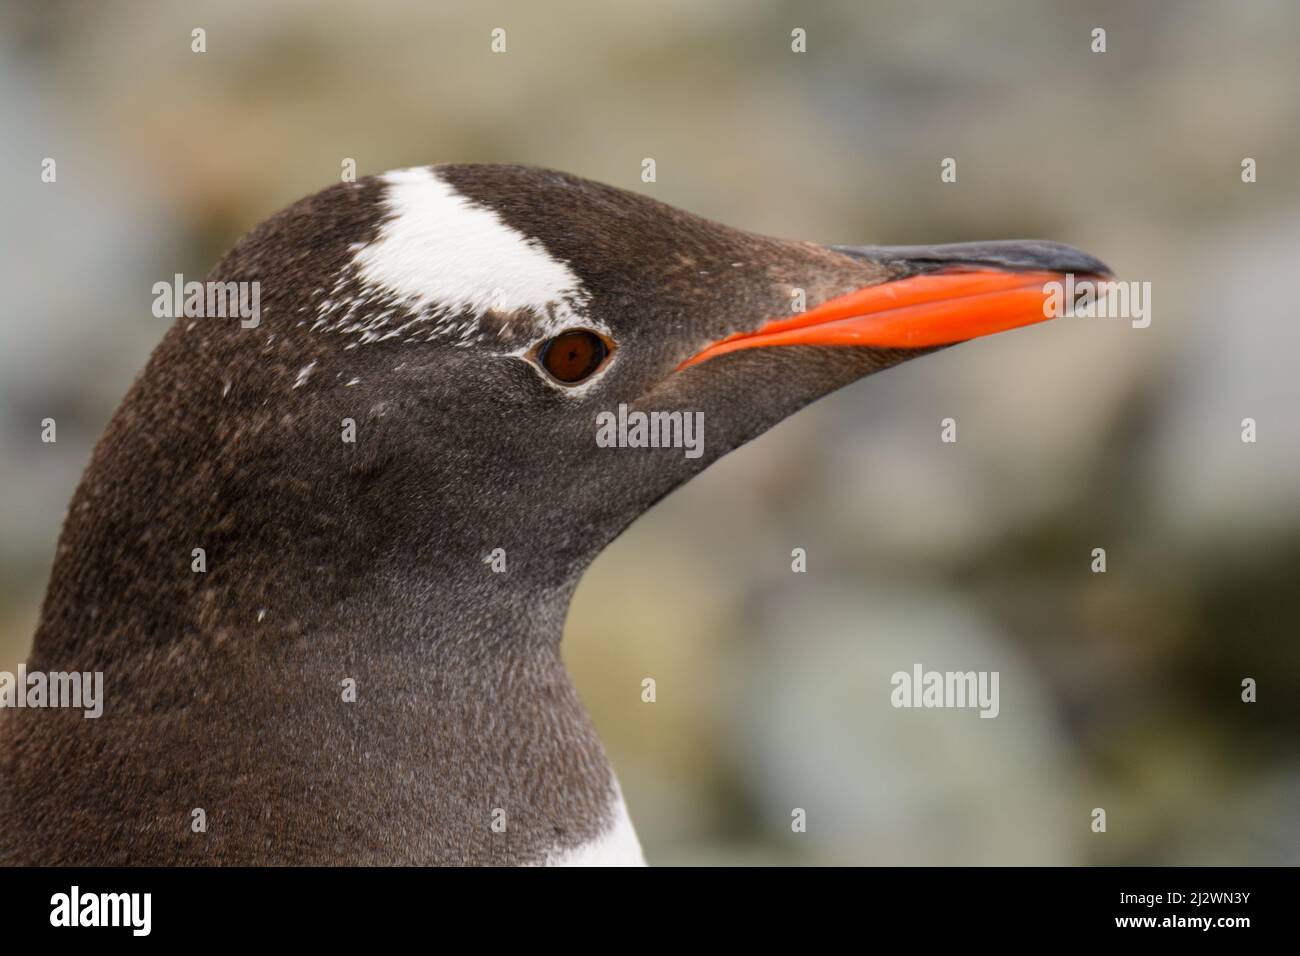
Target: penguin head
{"x": 531, "y": 360}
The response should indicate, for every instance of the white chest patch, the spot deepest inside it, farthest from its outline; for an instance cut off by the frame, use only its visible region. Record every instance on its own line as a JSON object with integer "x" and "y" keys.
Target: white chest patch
{"x": 440, "y": 253}
{"x": 617, "y": 846}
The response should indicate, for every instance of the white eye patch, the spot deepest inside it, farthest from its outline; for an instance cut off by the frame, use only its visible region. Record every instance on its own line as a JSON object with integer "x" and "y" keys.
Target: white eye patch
{"x": 440, "y": 253}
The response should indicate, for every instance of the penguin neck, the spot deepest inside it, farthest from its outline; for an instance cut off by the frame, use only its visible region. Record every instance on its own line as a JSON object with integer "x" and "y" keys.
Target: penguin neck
{"x": 416, "y": 699}
{"x": 258, "y": 595}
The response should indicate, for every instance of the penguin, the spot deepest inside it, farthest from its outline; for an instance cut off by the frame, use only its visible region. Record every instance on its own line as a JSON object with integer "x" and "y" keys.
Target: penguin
{"x": 323, "y": 560}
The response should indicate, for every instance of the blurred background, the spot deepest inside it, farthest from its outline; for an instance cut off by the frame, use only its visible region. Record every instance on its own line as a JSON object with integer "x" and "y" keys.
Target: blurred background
{"x": 1119, "y": 690}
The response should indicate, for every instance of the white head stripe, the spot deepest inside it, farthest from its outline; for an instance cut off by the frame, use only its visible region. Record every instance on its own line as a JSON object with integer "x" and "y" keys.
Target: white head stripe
{"x": 438, "y": 250}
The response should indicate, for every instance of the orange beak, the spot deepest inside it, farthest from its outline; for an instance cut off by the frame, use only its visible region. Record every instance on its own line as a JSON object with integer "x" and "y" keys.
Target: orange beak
{"x": 921, "y": 311}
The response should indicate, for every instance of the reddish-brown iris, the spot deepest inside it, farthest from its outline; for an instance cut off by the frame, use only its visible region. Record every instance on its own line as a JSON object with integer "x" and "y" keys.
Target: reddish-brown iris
{"x": 573, "y": 356}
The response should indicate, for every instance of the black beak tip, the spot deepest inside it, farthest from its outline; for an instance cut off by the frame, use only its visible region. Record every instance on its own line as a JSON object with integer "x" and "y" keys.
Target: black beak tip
{"x": 1016, "y": 255}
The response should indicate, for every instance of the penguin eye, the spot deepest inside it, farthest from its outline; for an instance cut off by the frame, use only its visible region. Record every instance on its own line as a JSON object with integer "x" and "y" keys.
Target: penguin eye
{"x": 572, "y": 356}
